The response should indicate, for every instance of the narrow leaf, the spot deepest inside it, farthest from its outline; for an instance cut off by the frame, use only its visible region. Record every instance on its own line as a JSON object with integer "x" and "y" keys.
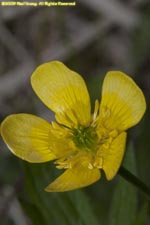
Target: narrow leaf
{"x": 124, "y": 202}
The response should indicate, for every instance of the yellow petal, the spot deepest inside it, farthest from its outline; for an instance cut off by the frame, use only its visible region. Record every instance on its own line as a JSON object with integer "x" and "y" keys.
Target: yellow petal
{"x": 61, "y": 141}
{"x": 64, "y": 92}
{"x": 73, "y": 179}
{"x": 123, "y": 103}
{"x": 113, "y": 156}
{"x": 28, "y": 137}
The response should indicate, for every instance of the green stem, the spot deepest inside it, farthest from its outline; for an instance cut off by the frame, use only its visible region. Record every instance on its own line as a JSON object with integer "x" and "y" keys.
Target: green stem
{"x": 134, "y": 180}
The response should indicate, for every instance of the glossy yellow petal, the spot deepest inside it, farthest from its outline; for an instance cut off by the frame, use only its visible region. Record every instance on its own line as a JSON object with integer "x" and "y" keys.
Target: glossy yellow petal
{"x": 112, "y": 156}
{"x": 28, "y": 137}
{"x": 123, "y": 103}
{"x": 73, "y": 179}
{"x": 64, "y": 92}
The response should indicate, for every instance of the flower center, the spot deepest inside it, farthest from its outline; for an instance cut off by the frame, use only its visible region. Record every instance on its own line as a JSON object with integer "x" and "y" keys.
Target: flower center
{"x": 85, "y": 137}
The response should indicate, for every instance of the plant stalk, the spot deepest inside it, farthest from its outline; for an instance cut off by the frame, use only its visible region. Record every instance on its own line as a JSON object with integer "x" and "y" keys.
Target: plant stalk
{"x": 131, "y": 178}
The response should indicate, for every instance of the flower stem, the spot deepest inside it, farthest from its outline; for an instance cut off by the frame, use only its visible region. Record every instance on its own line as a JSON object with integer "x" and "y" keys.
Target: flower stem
{"x": 131, "y": 178}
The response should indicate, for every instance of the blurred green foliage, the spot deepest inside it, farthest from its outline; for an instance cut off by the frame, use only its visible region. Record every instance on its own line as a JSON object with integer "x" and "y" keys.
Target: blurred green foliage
{"x": 54, "y": 208}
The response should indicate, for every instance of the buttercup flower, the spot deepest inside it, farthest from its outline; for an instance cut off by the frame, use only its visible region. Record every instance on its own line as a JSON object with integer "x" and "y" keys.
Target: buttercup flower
{"x": 81, "y": 143}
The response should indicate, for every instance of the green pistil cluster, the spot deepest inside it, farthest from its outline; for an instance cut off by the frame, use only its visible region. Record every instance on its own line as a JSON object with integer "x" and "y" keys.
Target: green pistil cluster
{"x": 85, "y": 137}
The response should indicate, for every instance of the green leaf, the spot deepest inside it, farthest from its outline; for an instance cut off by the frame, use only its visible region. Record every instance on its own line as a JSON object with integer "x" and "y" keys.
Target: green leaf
{"x": 143, "y": 149}
{"x": 124, "y": 202}
{"x": 142, "y": 217}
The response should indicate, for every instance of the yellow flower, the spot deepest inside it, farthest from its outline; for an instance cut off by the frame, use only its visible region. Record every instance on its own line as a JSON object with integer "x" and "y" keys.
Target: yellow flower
{"x": 81, "y": 143}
